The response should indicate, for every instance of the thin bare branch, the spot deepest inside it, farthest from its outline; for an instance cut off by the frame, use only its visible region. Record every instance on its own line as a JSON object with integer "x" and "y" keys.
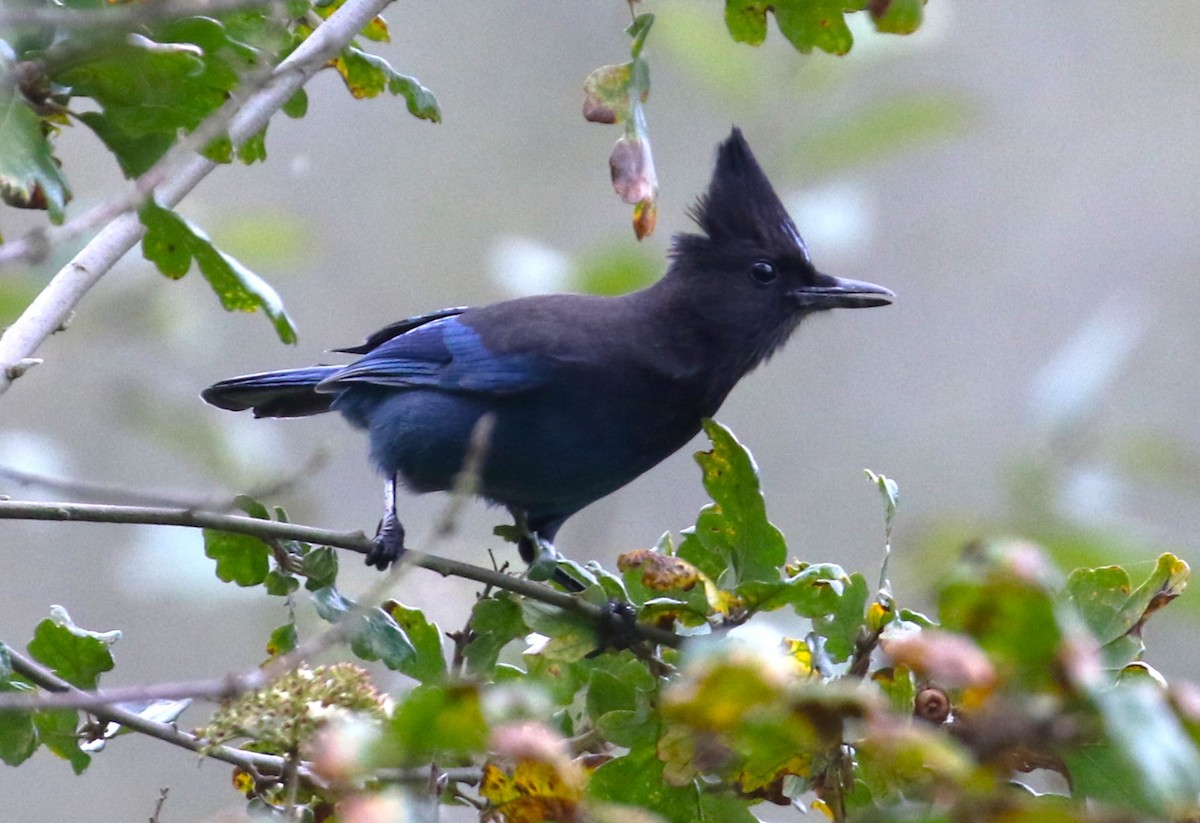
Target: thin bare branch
{"x": 465, "y": 775}
{"x": 124, "y": 495}
{"x": 51, "y": 308}
{"x": 354, "y": 541}
{"x": 252, "y": 762}
{"x": 158, "y": 807}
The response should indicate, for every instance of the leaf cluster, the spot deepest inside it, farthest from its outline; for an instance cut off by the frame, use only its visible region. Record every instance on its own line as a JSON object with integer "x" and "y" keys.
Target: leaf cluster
{"x": 144, "y": 85}
{"x": 868, "y": 711}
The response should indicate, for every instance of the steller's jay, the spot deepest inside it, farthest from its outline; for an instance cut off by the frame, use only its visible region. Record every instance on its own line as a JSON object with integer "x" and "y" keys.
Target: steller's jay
{"x": 586, "y": 392}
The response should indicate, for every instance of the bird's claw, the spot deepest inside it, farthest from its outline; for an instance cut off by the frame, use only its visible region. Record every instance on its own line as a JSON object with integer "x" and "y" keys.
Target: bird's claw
{"x": 617, "y": 628}
{"x": 388, "y": 545}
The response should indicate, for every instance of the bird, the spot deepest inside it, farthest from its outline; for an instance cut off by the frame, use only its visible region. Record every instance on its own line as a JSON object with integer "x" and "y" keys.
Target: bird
{"x": 583, "y": 393}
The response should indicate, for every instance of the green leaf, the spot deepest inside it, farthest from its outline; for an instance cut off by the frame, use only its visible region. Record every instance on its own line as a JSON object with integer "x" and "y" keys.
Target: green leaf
{"x": 320, "y": 566}
{"x": 420, "y": 101}
{"x": 376, "y": 637}
{"x": 900, "y": 16}
{"x": 171, "y": 243}
{"x": 1114, "y": 612}
{"x": 376, "y": 31}
{"x": 29, "y": 173}
{"x": 618, "y": 682}
{"x": 150, "y": 90}
{"x": 18, "y": 737}
{"x": 368, "y": 75}
{"x": 1147, "y": 763}
{"x": 733, "y": 542}
{"x": 572, "y": 636}
{"x": 495, "y": 622}
{"x": 297, "y": 105}
{"x": 252, "y": 507}
{"x": 618, "y": 702}
{"x": 429, "y": 664}
{"x": 637, "y": 780}
{"x": 283, "y": 640}
{"x": 807, "y": 24}
{"x": 899, "y": 685}
{"x": 890, "y": 492}
{"x": 57, "y": 732}
{"x": 814, "y": 591}
{"x": 75, "y": 656}
{"x": 280, "y": 584}
{"x": 438, "y": 722}
{"x": 255, "y": 147}
{"x": 638, "y": 30}
{"x": 747, "y": 21}
{"x": 841, "y": 626}
{"x": 241, "y": 558}
{"x": 219, "y": 150}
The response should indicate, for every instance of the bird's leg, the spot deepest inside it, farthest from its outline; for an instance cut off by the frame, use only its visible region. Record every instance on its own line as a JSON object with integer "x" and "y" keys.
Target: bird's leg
{"x": 388, "y": 545}
{"x": 539, "y": 552}
{"x": 535, "y": 550}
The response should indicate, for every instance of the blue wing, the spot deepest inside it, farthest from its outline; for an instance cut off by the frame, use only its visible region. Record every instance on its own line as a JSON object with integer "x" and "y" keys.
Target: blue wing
{"x": 443, "y": 353}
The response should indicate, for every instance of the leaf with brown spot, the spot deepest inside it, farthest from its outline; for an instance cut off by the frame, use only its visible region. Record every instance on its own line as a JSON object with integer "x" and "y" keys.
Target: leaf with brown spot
{"x": 660, "y": 572}
{"x": 606, "y": 94}
{"x": 535, "y": 791}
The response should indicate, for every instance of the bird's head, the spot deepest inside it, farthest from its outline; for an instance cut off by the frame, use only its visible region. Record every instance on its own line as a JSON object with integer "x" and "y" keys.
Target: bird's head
{"x": 750, "y": 267}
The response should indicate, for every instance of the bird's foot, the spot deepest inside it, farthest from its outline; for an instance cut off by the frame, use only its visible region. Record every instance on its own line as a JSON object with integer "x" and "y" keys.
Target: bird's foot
{"x": 541, "y": 556}
{"x": 617, "y": 628}
{"x": 388, "y": 545}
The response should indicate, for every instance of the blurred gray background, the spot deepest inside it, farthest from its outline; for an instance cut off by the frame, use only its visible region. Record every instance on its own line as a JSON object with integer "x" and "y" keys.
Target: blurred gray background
{"x": 1024, "y": 177}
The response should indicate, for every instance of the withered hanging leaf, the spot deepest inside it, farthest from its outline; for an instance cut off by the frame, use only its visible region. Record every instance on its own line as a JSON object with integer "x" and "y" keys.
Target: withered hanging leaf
{"x": 635, "y": 180}
{"x": 606, "y": 94}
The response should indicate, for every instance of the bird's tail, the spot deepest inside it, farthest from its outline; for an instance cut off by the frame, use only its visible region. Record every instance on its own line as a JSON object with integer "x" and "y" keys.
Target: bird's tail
{"x": 288, "y": 393}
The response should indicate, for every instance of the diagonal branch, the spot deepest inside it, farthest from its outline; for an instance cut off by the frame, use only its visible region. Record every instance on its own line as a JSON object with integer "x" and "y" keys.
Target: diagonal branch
{"x": 52, "y": 307}
{"x": 252, "y": 762}
{"x": 354, "y": 541}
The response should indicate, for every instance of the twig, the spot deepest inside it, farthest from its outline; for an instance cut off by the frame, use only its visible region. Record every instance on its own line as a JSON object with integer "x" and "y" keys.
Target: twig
{"x": 465, "y": 775}
{"x": 158, "y": 807}
{"x": 125, "y": 16}
{"x": 354, "y": 541}
{"x": 124, "y": 495}
{"x": 54, "y": 303}
{"x": 251, "y": 762}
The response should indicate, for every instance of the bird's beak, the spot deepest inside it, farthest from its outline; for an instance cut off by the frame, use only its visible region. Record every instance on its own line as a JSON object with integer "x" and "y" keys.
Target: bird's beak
{"x": 841, "y": 293}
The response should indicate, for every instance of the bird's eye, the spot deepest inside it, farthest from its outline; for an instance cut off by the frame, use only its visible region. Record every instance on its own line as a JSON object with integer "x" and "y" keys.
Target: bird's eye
{"x": 763, "y": 272}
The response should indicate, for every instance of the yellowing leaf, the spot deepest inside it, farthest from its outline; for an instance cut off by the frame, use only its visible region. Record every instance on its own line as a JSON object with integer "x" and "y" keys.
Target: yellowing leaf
{"x": 535, "y": 791}
{"x": 661, "y": 572}
{"x": 800, "y": 654}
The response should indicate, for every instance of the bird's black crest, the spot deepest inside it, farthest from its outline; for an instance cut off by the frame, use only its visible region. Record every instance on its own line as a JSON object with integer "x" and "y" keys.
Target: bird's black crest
{"x": 740, "y": 204}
